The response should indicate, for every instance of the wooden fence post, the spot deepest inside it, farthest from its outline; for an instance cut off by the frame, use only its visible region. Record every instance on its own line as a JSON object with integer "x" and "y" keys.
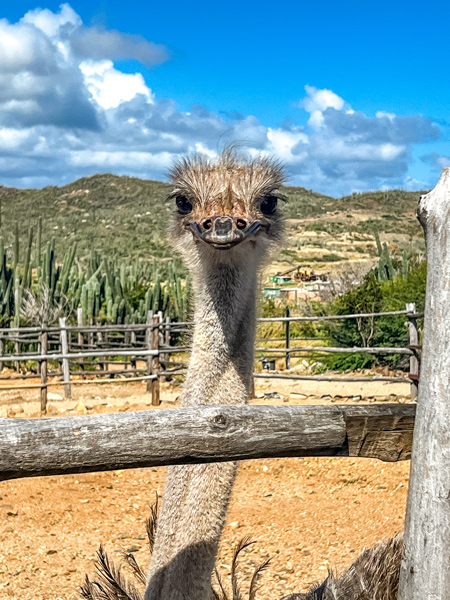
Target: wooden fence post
{"x": 17, "y": 350}
{"x": 133, "y": 345}
{"x": 65, "y": 361}
{"x": 165, "y": 339}
{"x": 148, "y": 343}
{"x": 413, "y": 342}
{"x": 43, "y": 338}
{"x": 425, "y": 569}
{"x": 155, "y": 361}
{"x": 80, "y": 335}
{"x": 288, "y": 338}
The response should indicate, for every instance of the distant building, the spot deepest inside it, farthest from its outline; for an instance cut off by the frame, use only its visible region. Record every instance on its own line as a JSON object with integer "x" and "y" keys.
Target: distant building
{"x": 308, "y": 291}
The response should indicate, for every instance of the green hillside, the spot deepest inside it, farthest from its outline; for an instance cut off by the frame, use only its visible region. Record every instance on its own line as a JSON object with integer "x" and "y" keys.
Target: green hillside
{"x": 126, "y": 217}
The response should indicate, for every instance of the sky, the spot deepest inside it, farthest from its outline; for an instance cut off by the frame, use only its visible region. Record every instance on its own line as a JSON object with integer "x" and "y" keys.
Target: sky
{"x": 350, "y": 95}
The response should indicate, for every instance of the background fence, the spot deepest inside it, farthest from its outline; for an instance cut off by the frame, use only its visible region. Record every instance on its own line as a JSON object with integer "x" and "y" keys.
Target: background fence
{"x": 157, "y": 349}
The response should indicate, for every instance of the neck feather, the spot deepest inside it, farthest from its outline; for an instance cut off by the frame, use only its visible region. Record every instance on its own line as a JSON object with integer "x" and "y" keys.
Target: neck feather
{"x": 221, "y": 363}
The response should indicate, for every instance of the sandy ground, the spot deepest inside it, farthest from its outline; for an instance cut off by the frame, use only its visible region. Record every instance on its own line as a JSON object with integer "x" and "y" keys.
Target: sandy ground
{"x": 306, "y": 514}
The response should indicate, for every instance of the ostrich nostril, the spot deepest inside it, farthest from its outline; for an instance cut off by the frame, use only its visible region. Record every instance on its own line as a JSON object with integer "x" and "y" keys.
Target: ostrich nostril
{"x": 207, "y": 224}
{"x": 241, "y": 224}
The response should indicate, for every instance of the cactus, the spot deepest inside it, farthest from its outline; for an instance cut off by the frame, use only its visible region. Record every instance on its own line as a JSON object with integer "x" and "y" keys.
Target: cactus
{"x": 39, "y": 243}
{"x": 105, "y": 289}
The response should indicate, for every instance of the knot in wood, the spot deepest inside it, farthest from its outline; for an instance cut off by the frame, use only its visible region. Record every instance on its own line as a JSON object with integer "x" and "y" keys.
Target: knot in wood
{"x": 220, "y": 420}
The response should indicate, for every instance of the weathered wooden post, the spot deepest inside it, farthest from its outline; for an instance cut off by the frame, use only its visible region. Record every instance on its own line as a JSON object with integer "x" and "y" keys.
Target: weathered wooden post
{"x": 17, "y": 350}
{"x": 155, "y": 361}
{"x": 80, "y": 335}
{"x": 167, "y": 333}
{"x": 65, "y": 361}
{"x": 43, "y": 338}
{"x": 425, "y": 570}
{"x": 413, "y": 344}
{"x": 288, "y": 339}
{"x": 133, "y": 345}
{"x": 148, "y": 343}
{"x": 165, "y": 339}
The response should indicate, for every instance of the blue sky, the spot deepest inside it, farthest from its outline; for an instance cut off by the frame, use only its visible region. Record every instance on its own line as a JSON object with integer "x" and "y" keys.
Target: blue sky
{"x": 351, "y": 95}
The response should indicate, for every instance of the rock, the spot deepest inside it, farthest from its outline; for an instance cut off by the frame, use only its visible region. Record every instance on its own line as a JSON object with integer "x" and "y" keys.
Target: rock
{"x": 235, "y": 525}
{"x": 269, "y": 395}
{"x": 80, "y": 407}
{"x": 53, "y": 396}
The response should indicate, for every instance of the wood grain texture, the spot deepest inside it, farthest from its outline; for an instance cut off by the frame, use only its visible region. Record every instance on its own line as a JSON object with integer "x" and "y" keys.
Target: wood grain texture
{"x": 425, "y": 571}
{"x": 49, "y": 446}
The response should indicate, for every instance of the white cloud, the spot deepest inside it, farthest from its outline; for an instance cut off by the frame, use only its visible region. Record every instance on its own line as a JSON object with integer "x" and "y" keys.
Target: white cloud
{"x": 23, "y": 47}
{"x": 110, "y": 87}
{"x": 51, "y": 24}
{"x": 321, "y": 100}
{"x": 129, "y": 160}
{"x": 381, "y": 114}
{"x": 283, "y": 142}
{"x": 100, "y": 44}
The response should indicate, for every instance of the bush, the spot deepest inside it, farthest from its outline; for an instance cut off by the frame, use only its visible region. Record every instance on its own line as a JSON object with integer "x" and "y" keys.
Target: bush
{"x": 389, "y": 331}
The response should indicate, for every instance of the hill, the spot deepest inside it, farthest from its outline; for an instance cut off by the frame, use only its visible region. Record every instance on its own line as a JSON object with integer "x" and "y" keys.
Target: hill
{"x": 126, "y": 217}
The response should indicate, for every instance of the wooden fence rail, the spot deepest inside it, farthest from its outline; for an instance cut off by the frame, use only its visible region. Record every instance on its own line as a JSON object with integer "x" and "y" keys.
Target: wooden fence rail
{"x": 201, "y": 434}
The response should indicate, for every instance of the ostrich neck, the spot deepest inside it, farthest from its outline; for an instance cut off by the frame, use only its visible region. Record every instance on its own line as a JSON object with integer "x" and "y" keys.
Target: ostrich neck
{"x": 196, "y": 496}
{"x": 222, "y": 350}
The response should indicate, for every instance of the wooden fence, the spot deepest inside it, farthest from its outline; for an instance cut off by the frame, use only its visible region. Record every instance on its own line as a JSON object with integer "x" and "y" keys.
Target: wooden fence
{"x": 142, "y": 352}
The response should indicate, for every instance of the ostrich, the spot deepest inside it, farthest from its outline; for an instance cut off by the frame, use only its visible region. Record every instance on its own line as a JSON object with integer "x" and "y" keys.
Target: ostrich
{"x": 226, "y": 222}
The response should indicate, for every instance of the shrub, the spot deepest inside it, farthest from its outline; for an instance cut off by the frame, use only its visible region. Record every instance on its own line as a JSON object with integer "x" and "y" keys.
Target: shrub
{"x": 388, "y": 331}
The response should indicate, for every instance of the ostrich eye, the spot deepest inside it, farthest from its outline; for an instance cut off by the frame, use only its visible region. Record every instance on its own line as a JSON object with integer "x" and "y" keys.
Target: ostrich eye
{"x": 183, "y": 205}
{"x": 268, "y": 205}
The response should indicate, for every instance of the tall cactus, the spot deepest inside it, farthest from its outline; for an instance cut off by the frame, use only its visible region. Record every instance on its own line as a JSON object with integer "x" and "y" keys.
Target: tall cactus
{"x": 105, "y": 288}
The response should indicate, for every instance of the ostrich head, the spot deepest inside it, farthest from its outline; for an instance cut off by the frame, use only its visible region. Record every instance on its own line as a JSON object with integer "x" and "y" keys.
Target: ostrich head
{"x": 226, "y": 208}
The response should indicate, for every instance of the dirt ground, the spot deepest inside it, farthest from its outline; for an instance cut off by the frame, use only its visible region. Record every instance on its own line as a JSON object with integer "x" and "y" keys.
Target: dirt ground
{"x": 306, "y": 514}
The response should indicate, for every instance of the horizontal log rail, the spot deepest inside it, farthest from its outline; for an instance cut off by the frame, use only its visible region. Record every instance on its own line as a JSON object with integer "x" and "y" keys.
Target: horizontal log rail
{"x": 201, "y": 434}
{"x": 59, "y": 356}
{"x": 355, "y": 349}
{"x": 336, "y": 378}
{"x": 337, "y": 317}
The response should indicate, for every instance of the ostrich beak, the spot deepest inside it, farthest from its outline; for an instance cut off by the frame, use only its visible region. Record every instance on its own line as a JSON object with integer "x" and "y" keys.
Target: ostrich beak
{"x": 224, "y": 232}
